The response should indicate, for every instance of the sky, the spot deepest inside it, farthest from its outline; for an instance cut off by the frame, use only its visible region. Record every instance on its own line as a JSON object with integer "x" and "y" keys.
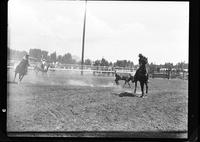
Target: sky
{"x": 115, "y": 30}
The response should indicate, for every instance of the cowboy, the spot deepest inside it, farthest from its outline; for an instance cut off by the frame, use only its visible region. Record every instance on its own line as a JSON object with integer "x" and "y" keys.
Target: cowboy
{"x": 142, "y": 62}
{"x": 43, "y": 62}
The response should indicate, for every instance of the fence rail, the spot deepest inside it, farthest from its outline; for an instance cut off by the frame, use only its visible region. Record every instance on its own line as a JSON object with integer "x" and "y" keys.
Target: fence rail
{"x": 102, "y": 70}
{"x": 93, "y": 71}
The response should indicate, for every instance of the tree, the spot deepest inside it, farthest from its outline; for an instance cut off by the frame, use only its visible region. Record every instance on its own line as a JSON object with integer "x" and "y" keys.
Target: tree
{"x": 97, "y": 63}
{"x": 35, "y": 53}
{"x": 181, "y": 65}
{"x": 16, "y": 54}
{"x": 67, "y": 59}
{"x": 44, "y": 54}
{"x": 169, "y": 66}
{"x": 131, "y": 64}
{"x": 110, "y": 64}
{"x": 73, "y": 61}
{"x": 88, "y": 62}
{"x": 152, "y": 68}
{"x": 53, "y": 57}
{"x": 121, "y": 63}
{"x": 59, "y": 58}
{"x": 104, "y": 62}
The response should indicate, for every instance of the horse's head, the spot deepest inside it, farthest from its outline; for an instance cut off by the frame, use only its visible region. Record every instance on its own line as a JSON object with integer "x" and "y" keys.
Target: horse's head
{"x": 117, "y": 75}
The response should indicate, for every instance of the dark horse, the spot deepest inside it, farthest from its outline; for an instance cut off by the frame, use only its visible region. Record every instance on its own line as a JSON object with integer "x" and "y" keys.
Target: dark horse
{"x": 127, "y": 79}
{"x": 142, "y": 76}
{"x": 43, "y": 69}
{"x": 21, "y": 69}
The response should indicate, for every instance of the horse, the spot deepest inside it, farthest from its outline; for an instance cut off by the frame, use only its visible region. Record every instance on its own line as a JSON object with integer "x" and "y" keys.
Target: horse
{"x": 21, "y": 69}
{"x": 127, "y": 79}
{"x": 142, "y": 76}
{"x": 38, "y": 68}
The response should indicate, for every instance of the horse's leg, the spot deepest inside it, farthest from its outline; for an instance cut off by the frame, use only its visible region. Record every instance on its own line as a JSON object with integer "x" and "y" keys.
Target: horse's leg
{"x": 135, "y": 87}
{"x": 124, "y": 84}
{"x": 146, "y": 87}
{"x": 116, "y": 81}
{"x": 14, "y": 76}
{"x": 19, "y": 78}
{"x": 142, "y": 87}
{"x": 129, "y": 84}
{"x": 22, "y": 76}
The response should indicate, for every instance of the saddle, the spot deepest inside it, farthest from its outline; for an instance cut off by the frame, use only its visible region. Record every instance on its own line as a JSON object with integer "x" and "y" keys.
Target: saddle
{"x": 142, "y": 71}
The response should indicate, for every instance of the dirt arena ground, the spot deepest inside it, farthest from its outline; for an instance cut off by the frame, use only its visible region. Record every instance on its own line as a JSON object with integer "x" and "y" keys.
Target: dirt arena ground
{"x": 67, "y": 101}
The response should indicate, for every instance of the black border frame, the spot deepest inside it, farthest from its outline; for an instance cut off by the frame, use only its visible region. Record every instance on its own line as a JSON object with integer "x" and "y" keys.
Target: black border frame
{"x": 193, "y": 98}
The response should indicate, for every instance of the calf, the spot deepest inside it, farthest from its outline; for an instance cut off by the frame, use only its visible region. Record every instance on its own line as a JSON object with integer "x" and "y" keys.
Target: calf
{"x": 127, "y": 79}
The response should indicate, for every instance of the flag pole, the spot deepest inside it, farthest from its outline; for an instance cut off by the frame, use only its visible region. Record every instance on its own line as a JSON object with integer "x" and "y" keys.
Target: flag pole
{"x": 83, "y": 40}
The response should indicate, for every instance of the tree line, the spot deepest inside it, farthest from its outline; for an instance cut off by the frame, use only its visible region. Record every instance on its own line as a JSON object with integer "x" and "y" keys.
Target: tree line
{"x": 179, "y": 67}
{"x": 38, "y": 54}
{"x": 68, "y": 59}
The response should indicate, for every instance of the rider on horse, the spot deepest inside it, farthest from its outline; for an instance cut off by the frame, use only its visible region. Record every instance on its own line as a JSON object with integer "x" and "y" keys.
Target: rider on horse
{"x": 141, "y": 74}
{"x": 43, "y": 62}
{"x": 142, "y": 59}
{"x": 142, "y": 62}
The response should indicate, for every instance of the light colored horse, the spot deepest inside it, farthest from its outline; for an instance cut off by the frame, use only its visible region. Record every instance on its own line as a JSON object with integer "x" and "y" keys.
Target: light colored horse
{"x": 38, "y": 68}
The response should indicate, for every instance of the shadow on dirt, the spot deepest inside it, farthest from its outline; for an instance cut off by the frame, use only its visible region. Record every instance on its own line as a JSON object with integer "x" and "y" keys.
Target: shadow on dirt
{"x": 110, "y": 134}
{"x": 11, "y": 82}
{"x": 126, "y": 94}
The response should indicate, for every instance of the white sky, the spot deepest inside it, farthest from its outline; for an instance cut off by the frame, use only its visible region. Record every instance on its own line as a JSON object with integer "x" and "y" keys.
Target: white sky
{"x": 114, "y": 29}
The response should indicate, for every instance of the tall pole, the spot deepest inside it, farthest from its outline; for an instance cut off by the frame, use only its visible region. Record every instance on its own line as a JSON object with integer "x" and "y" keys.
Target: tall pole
{"x": 83, "y": 40}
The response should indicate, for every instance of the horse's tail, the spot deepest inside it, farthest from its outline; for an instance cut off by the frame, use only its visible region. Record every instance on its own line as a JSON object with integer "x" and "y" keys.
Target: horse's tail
{"x": 147, "y": 77}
